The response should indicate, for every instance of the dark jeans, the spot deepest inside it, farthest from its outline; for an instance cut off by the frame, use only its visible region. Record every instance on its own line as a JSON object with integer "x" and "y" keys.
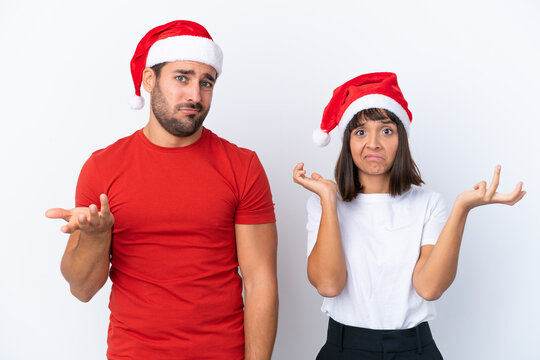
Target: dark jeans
{"x": 354, "y": 343}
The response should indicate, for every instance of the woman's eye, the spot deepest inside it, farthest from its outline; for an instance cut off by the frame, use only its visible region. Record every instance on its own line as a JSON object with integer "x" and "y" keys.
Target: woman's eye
{"x": 181, "y": 78}
{"x": 387, "y": 131}
{"x": 360, "y": 132}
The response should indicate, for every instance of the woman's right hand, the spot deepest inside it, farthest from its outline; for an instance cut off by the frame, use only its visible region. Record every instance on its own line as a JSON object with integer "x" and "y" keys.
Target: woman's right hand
{"x": 316, "y": 183}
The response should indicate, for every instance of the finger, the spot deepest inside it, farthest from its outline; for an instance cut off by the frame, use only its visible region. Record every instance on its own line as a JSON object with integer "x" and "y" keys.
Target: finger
{"x": 83, "y": 222}
{"x": 508, "y": 198}
{"x": 298, "y": 172}
{"x": 494, "y": 182}
{"x": 105, "y": 208}
{"x": 517, "y": 190}
{"x": 316, "y": 176}
{"x": 72, "y": 225}
{"x": 58, "y": 213}
{"x": 297, "y": 168}
{"x": 512, "y": 201}
{"x": 521, "y": 195}
{"x": 299, "y": 178}
{"x": 93, "y": 219}
{"x": 68, "y": 229}
{"x": 481, "y": 186}
{"x": 304, "y": 181}
{"x": 300, "y": 175}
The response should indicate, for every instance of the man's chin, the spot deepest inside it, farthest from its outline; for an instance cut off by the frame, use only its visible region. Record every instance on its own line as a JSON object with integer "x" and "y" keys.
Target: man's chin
{"x": 185, "y": 131}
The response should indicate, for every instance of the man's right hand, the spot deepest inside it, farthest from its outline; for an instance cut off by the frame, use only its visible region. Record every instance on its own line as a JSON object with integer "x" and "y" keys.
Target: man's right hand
{"x": 87, "y": 219}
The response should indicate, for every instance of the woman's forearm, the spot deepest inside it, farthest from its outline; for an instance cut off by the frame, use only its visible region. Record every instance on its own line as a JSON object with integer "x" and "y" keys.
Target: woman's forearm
{"x": 440, "y": 268}
{"x": 326, "y": 263}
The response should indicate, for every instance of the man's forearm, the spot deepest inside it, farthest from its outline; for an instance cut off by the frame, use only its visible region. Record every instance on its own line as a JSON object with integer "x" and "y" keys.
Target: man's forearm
{"x": 85, "y": 264}
{"x": 260, "y": 320}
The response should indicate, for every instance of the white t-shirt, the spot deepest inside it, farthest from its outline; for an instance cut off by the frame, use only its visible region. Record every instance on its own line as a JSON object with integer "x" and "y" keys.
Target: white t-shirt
{"x": 381, "y": 238}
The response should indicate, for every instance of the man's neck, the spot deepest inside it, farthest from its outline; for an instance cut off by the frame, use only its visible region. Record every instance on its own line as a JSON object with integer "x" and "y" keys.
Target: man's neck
{"x": 157, "y": 135}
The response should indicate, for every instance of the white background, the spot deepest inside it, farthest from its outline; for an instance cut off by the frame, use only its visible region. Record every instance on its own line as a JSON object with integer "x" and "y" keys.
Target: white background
{"x": 468, "y": 69}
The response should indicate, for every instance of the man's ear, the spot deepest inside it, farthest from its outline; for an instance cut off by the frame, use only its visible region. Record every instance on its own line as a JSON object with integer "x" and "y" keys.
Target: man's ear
{"x": 149, "y": 79}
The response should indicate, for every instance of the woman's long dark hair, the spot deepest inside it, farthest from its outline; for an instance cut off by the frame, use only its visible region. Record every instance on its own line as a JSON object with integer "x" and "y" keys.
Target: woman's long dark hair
{"x": 404, "y": 172}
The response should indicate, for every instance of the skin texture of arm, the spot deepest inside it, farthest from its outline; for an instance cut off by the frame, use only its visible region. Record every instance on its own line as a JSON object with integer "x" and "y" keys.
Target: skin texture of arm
{"x": 437, "y": 265}
{"x": 327, "y": 270}
{"x": 85, "y": 263}
{"x": 257, "y": 251}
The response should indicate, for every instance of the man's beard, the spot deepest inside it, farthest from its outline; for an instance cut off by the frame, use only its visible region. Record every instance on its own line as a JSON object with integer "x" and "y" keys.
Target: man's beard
{"x": 165, "y": 115}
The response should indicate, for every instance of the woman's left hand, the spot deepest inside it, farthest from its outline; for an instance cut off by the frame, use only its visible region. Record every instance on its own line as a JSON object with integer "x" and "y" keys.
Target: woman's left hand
{"x": 482, "y": 195}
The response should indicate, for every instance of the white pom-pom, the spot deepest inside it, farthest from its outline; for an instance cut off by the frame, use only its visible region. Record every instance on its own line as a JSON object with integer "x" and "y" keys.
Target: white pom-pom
{"x": 320, "y": 137}
{"x": 136, "y": 102}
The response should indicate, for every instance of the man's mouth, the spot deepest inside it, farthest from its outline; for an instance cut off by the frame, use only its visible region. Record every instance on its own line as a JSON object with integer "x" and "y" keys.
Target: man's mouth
{"x": 189, "y": 108}
{"x": 188, "y": 111}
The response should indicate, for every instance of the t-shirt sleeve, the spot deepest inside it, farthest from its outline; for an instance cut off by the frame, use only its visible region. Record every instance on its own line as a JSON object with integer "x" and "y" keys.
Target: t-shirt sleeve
{"x": 435, "y": 220}
{"x": 89, "y": 185}
{"x": 255, "y": 205}
{"x": 314, "y": 212}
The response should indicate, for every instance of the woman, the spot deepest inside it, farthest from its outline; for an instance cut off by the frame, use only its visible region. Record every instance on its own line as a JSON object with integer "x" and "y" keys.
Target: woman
{"x": 381, "y": 248}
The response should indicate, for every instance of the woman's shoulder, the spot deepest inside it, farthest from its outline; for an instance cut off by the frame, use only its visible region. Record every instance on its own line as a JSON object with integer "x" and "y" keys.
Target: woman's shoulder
{"x": 418, "y": 193}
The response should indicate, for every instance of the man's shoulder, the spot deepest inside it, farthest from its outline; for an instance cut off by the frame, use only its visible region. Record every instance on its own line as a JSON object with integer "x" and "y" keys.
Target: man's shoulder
{"x": 118, "y": 148}
{"x": 229, "y": 147}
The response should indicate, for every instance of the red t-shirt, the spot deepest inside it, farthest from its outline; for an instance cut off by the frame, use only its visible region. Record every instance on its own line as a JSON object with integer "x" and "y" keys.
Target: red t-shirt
{"x": 176, "y": 290}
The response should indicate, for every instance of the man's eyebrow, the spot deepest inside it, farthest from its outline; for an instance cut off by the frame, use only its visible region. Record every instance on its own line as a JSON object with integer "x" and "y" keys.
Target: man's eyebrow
{"x": 207, "y": 76}
{"x": 184, "y": 72}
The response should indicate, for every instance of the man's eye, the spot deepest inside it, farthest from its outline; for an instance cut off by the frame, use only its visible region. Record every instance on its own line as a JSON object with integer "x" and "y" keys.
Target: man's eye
{"x": 387, "y": 131}
{"x": 206, "y": 84}
{"x": 181, "y": 78}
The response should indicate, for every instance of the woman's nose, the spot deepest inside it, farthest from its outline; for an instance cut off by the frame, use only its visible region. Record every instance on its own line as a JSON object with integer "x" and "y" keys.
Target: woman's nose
{"x": 373, "y": 141}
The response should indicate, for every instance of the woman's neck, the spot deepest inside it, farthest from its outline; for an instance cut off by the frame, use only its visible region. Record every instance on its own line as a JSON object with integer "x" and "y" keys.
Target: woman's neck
{"x": 375, "y": 184}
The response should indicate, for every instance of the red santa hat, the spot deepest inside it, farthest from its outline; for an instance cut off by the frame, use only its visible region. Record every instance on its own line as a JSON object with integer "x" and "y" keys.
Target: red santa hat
{"x": 174, "y": 41}
{"x": 375, "y": 90}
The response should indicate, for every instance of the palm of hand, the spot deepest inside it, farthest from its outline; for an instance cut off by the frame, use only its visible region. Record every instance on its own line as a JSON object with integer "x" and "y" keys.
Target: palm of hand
{"x": 316, "y": 183}
{"x": 86, "y": 219}
{"x": 483, "y": 195}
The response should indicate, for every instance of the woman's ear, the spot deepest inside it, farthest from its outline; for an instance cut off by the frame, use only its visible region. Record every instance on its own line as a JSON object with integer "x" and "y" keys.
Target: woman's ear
{"x": 149, "y": 79}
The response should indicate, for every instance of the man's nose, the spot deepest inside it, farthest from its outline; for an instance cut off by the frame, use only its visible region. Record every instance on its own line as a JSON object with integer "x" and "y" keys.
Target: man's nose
{"x": 194, "y": 93}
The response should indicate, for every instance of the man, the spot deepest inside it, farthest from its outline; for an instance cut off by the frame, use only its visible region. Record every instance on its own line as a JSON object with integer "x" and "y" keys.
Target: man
{"x": 180, "y": 210}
